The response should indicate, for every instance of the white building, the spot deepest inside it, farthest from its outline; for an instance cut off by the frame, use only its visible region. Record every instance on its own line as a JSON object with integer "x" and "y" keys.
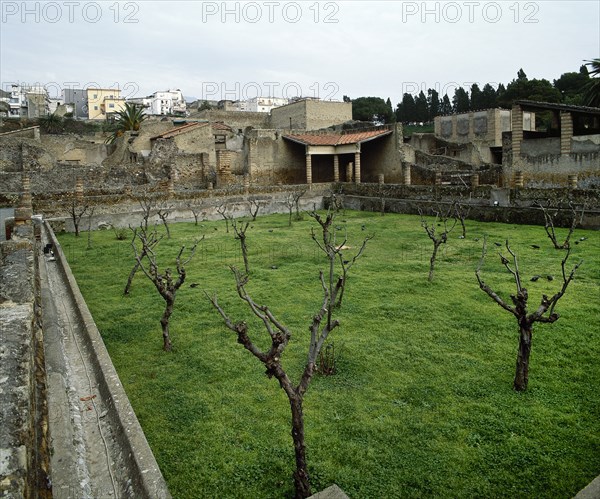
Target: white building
{"x": 265, "y": 104}
{"x": 28, "y": 101}
{"x": 163, "y": 103}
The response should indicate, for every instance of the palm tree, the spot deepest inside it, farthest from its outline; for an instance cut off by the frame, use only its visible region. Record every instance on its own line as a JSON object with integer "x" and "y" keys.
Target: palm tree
{"x": 592, "y": 89}
{"x": 128, "y": 119}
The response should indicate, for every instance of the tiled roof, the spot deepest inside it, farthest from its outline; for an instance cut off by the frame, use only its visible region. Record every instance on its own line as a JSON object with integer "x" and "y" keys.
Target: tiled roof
{"x": 530, "y": 104}
{"x": 221, "y": 126}
{"x": 336, "y": 139}
{"x": 179, "y": 130}
{"x": 188, "y": 127}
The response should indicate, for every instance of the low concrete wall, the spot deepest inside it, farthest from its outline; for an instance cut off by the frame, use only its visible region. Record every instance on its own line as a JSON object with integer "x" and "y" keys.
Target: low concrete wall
{"x": 147, "y": 480}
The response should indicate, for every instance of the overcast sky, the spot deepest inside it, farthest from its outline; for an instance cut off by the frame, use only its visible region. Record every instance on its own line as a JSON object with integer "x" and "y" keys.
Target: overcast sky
{"x": 216, "y": 50}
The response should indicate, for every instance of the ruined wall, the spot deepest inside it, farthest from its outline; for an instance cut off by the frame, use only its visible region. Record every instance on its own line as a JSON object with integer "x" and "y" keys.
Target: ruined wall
{"x": 238, "y": 120}
{"x": 272, "y": 160}
{"x": 486, "y": 125}
{"x": 23, "y": 442}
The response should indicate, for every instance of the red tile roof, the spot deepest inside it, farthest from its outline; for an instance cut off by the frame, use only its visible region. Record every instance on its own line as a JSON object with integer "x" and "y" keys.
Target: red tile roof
{"x": 179, "y": 130}
{"x": 336, "y": 139}
{"x": 188, "y": 127}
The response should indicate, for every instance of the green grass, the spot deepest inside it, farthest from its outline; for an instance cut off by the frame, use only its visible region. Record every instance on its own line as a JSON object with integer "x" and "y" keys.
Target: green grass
{"x": 422, "y": 404}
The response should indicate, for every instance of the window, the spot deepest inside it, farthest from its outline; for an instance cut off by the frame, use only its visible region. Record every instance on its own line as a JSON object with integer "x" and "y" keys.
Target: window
{"x": 111, "y": 105}
{"x": 95, "y": 108}
{"x": 95, "y": 96}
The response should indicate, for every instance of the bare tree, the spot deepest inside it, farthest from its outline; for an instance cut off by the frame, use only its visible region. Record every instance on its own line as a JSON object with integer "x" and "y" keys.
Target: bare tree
{"x": 292, "y": 201}
{"x": 254, "y": 206}
{"x": 165, "y": 283}
{"x": 437, "y": 237}
{"x": 77, "y": 211}
{"x": 151, "y": 240}
{"x": 240, "y": 234}
{"x": 222, "y": 210}
{"x": 334, "y": 250}
{"x": 461, "y": 213}
{"x": 196, "y": 211}
{"x": 322, "y": 324}
{"x": 550, "y": 218}
{"x": 519, "y": 309}
{"x": 280, "y": 336}
{"x": 163, "y": 212}
{"x": 148, "y": 204}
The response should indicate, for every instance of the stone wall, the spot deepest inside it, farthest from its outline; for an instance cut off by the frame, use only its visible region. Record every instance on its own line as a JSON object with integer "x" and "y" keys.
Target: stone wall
{"x": 23, "y": 440}
{"x": 311, "y": 115}
{"x": 238, "y": 120}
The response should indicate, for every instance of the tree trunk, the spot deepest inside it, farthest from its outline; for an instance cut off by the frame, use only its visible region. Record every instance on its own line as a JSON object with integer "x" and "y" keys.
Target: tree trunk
{"x": 131, "y": 276}
{"x": 522, "y": 373}
{"x": 432, "y": 260}
{"x": 245, "y": 254}
{"x": 164, "y": 322}
{"x": 301, "y": 479}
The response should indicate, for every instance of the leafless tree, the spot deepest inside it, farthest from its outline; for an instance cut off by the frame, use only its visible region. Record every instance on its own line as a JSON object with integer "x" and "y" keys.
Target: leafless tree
{"x": 334, "y": 250}
{"x": 292, "y": 201}
{"x": 148, "y": 204}
{"x": 196, "y": 211}
{"x": 151, "y": 240}
{"x": 163, "y": 211}
{"x": 254, "y": 206}
{"x": 461, "y": 213}
{"x": 322, "y": 324}
{"x": 438, "y": 237}
{"x": 550, "y": 217}
{"x": 222, "y": 210}
{"x": 280, "y": 336}
{"x": 240, "y": 235}
{"x": 77, "y": 210}
{"x": 519, "y": 309}
{"x": 165, "y": 283}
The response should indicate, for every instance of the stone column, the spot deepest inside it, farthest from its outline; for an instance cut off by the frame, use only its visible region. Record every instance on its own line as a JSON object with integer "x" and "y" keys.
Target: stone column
{"x": 308, "y": 168}
{"x": 566, "y": 132}
{"x": 381, "y": 178}
{"x": 24, "y": 211}
{"x": 246, "y": 184}
{"x": 573, "y": 181}
{"x": 349, "y": 170}
{"x": 407, "y": 174}
{"x": 519, "y": 180}
{"x": 517, "y": 133}
{"x": 336, "y": 168}
{"x": 438, "y": 178}
{"x": 474, "y": 180}
{"x": 170, "y": 188}
{"x": 357, "y": 167}
{"x": 79, "y": 189}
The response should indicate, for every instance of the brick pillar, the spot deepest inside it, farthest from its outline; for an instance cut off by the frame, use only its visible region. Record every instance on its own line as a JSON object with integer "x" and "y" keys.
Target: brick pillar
{"x": 79, "y": 189}
{"x": 24, "y": 211}
{"x": 308, "y": 169}
{"x": 566, "y": 132}
{"x": 336, "y": 168}
{"x": 519, "y": 179}
{"x": 438, "y": 178}
{"x": 407, "y": 174}
{"x": 357, "y": 167}
{"x": 349, "y": 170}
{"x": 170, "y": 188}
{"x": 381, "y": 178}
{"x": 246, "y": 184}
{"x": 475, "y": 180}
{"x": 517, "y": 133}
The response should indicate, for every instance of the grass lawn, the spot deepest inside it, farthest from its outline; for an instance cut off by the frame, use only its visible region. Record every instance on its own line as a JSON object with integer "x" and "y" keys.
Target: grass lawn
{"x": 422, "y": 404}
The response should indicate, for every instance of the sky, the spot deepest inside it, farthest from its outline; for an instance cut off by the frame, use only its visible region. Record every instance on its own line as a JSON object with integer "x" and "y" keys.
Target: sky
{"x": 327, "y": 49}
